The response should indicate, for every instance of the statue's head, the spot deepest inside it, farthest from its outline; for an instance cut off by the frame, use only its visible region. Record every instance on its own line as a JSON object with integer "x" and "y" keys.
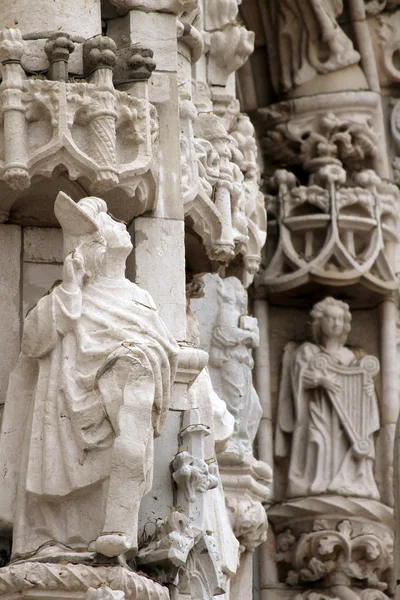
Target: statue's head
{"x": 231, "y": 291}
{"x": 88, "y": 227}
{"x": 330, "y": 318}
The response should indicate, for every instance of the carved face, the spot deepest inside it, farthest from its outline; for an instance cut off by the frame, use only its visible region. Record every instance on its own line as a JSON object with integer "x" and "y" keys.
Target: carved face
{"x": 115, "y": 233}
{"x": 332, "y": 322}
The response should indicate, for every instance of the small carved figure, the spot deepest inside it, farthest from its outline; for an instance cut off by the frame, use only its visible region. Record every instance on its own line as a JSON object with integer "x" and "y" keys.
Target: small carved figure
{"x": 327, "y": 402}
{"x": 235, "y": 335}
{"x": 91, "y": 389}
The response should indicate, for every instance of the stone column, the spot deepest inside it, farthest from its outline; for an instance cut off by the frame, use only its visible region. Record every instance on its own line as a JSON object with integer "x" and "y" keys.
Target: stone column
{"x": 390, "y": 395}
{"x": 158, "y": 257}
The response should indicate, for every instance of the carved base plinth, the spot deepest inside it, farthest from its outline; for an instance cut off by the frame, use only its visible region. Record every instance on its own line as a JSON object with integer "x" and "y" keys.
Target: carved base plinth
{"x": 51, "y": 581}
{"x": 334, "y": 543}
{"x": 246, "y": 487}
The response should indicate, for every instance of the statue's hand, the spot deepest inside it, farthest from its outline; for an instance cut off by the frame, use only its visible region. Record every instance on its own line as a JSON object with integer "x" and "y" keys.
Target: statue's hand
{"x": 310, "y": 380}
{"x": 329, "y": 383}
{"x": 73, "y": 271}
{"x": 369, "y": 388}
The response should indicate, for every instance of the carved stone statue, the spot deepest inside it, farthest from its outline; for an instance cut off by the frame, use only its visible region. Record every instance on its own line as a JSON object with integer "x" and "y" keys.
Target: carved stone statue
{"x": 235, "y": 335}
{"x": 327, "y": 403}
{"x": 308, "y": 41}
{"x": 90, "y": 390}
{"x": 216, "y": 416}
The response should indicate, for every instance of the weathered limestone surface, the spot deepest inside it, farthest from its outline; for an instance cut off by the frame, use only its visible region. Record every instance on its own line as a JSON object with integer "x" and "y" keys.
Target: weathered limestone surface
{"x": 327, "y": 123}
{"x": 121, "y": 134}
{"x": 10, "y": 252}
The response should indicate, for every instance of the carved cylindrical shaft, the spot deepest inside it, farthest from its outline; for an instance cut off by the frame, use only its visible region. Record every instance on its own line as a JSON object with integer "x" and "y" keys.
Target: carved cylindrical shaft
{"x": 389, "y": 364}
{"x": 99, "y": 61}
{"x": 80, "y": 18}
{"x": 13, "y": 109}
{"x": 223, "y": 204}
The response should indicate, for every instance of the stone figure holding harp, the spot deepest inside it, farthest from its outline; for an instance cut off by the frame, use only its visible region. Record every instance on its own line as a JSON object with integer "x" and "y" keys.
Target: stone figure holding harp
{"x": 90, "y": 391}
{"x": 328, "y": 405}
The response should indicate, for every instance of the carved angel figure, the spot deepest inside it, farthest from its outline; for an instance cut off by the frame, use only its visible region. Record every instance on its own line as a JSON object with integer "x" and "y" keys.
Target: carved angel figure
{"x": 89, "y": 392}
{"x": 327, "y": 403}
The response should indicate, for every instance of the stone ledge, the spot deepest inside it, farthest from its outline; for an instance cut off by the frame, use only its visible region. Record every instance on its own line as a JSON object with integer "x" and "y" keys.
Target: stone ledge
{"x": 42, "y": 581}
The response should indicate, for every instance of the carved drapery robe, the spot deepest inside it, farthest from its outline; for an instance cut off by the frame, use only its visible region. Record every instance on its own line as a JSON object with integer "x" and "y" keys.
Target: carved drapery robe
{"x": 322, "y": 457}
{"x": 57, "y": 456}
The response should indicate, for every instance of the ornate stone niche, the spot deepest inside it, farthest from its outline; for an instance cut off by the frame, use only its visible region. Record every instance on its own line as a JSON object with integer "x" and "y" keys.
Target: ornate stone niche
{"x": 332, "y": 529}
{"x": 331, "y": 232}
{"x": 332, "y": 220}
{"x": 102, "y": 137}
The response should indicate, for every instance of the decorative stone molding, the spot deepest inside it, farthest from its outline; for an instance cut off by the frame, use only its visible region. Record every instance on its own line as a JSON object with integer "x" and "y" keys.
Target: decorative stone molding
{"x": 211, "y": 184}
{"x": 172, "y": 6}
{"x": 386, "y": 44}
{"x": 34, "y": 580}
{"x": 374, "y": 7}
{"x": 332, "y": 232}
{"x": 103, "y": 136}
{"x": 193, "y": 475}
{"x": 220, "y": 184}
{"x": 104, "y": 593}
{"x": 168, "y": 548}
{"x": 133, "y": 64}
{"x": 230, "y": 44}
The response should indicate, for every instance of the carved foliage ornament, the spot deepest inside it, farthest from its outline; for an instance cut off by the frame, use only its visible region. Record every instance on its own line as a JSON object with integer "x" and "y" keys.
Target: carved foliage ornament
{"x": 322, "y": 552}
{"x": 314, "y": 142}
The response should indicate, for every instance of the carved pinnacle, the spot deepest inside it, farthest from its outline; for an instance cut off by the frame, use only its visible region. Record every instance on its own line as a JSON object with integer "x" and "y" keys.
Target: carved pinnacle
{"x": 12, "y": 46}
{"x": 99, "y": 53}
{"x": 58, "y": 48}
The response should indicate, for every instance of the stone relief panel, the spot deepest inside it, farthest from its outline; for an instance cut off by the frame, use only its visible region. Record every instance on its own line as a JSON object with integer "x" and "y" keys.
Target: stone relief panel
{"x": 307, "y": 41}
{"x": 328, "y": 408}
{"x": 85, "y": 401}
